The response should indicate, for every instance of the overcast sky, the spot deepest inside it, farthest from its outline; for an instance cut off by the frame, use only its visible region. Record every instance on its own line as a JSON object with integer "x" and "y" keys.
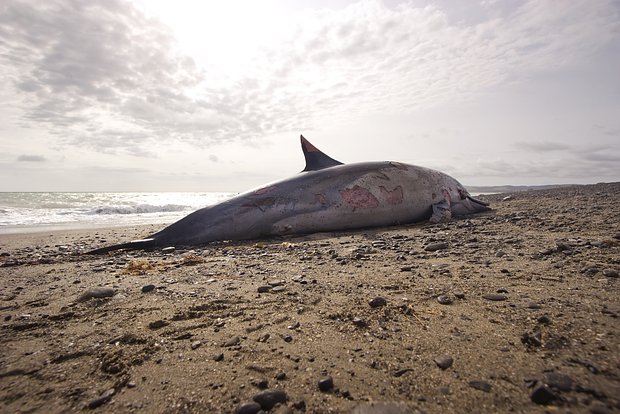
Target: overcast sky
{"x": 212, "y": 96}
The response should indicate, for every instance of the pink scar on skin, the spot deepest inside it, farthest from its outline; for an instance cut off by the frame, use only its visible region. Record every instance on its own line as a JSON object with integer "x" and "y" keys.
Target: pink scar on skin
{"x": 359, "y": 197}
{"x": 394, "y": 196}
{"x": 265, "y": 190}
{"x": 320, "y": 198}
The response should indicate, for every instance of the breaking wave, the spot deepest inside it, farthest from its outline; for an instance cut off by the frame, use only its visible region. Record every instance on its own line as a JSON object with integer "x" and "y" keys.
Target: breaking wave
{"x": 138, "y": 209}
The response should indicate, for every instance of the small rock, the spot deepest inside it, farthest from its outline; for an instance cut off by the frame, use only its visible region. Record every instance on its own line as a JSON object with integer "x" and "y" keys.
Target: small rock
{"x": 542, "y": 395}
{"x": 507, "y": 198}
{"x": 326, "y": 383}
{"x": 495, "y": 297}
{"x": 560, "y": 382}
{"x": 248, "y": 408}
{"x": 261, "y": 384}
{"x": 444, "y": 361}
{"x": 196, "y": 344}
{"x": 480, "y": 385}
{"x": 281, "y": 376}
{"x": 102, "y": 399}
{"x": 148, "y": 288}
{"x": 264, "y": 289}
{"x": 275, "y": 283}
{"x": 444, "y": 299}
{"x": 268, "y": 399}
{"x": 459, "y": 295}
{"x": 360, "y": 323}
{"x": 168, "y": 249}
{"x": 98, "y": 292}
{"x": 287, "y": 338}
{"x": 278, "y": 289}
{"x": 158, "y": 324}
{"x": 610, "y": 273}
{"x": 377, "y": 302}
{"x": 544, "y": 319}
{"x": 432, "y": 247}
{"x": 232, "y": 342}
{"x": 219, "y": 357}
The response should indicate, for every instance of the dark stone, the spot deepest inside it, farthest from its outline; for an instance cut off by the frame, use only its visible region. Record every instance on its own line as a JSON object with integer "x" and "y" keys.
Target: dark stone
{"x": 559, "y": 381}
{"x": 377, "y": 302}
{"x": 542, "y": 395}
{"x": 148, "y": 288}
{"x": 232, "y": 341}
{"x": 444, "y": 299}
{"x": 480, "y": 385}
{"x": 268, "y": 399}
{"x": 158, "y": 324}
{"x": 495, "y": 297}
{"x": 360, "y": 323}
{"x": 326, "y": 383}
{"x": 102, "y": 399}
{"x": 281, "y": 376}
{"x": 610, "y": 273}
{"x": 218, "y": 357}
{"x": 264, "y": 289}
{"x": 432, "y": 247}
{"x": 459, "y": 295}
{"x": 248, "y": 408}
{"x": 444, "y": 361}
{"x": 544, "y": 319}
{"x": 98, "y": 293}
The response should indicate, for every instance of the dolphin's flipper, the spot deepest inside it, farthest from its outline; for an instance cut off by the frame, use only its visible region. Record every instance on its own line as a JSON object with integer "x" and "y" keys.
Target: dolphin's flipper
{"x": 441, "y": 212}
{"x": 315, "y": 159}
{"x": 132, "y": 245}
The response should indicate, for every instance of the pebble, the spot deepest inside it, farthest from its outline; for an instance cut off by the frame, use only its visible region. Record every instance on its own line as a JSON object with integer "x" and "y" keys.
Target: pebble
{"x": 432, "y": 247}
{"x": 480, "y": 385}
{"x": 444, "y": 299}
{"x": 278, "y": 289}
{"x": 544, "y": 319}
{"x": 377, "y": 302}
{"x": 459, "y": 295}
{"x": 495, "y": 297}
{"x": 560, "y": 382}
{"x": 360, "y": 323}
{"x": 264, "y": 289}
{"x": 196, "y": 344}
{"x": 219, "y": 357}
{"x": 610, "y": 273}
{"x": 269, "y": 398}
{"x": 232, "y": 341}
{"x": 275, "y": 283}
{"x": 542, "y": 395}
{"x": 160, "y": 323}
{"x": 102, "y": 399}
{"x": 248, "y": 408}
{"x": 444, "y": 361}
{"x": 98, "y": 292}
{"x": 281, "y": 376}
{"x": 148, "y": 288}
{"x": 326, "y": 383}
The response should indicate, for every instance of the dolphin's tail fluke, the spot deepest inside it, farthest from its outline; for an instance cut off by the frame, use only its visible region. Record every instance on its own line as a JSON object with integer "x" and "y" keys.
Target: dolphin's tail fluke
{"x": 132, "y": 245}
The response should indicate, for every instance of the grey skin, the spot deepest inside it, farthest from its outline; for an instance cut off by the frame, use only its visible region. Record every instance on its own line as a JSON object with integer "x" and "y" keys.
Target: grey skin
{"x": 326, "y": 196}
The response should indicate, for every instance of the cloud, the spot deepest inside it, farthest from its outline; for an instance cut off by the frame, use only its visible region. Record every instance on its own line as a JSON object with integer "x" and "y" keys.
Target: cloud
{"x": 104, "y": 75}
{"x": 31, "y": 158}
{"x": 542, "y": 146}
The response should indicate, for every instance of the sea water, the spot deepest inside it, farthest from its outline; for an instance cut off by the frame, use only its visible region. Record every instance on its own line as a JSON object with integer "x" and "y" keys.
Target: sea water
{"x": 28, "y": 212}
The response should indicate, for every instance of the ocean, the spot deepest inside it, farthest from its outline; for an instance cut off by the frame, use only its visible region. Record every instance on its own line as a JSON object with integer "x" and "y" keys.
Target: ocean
{"x": 32, "y": 212}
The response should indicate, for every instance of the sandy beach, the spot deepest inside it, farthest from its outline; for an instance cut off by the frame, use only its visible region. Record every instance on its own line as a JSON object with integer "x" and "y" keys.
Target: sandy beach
{"x": 511, "y": 311}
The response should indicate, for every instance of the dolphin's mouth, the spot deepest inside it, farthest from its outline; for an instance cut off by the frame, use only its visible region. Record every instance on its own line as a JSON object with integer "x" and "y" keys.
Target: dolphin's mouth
{"x": 482, "y": 203}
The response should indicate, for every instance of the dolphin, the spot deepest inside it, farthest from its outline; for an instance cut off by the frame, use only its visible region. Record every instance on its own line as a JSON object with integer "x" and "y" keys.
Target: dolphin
{"x": 326, "y": 196}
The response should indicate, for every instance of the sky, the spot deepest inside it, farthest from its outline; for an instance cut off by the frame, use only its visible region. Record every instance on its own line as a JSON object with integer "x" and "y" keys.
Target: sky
{"x": 160, "y": 95}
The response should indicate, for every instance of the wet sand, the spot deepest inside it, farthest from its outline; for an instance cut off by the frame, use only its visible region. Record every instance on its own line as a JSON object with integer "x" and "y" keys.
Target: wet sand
{"x": 512, "y": 311}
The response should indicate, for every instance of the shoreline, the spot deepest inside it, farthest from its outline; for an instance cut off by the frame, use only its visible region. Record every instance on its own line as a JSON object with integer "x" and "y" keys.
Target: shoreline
{"x": 516, "y": 311}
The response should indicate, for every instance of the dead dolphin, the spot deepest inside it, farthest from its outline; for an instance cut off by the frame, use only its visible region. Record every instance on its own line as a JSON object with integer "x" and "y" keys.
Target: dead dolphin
{"x": 326, "y": 196}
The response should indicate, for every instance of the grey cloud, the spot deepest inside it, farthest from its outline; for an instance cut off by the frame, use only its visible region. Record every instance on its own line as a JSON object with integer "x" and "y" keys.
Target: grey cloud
{"x": 542, "y": 146}
{"x": 31, "y": 158}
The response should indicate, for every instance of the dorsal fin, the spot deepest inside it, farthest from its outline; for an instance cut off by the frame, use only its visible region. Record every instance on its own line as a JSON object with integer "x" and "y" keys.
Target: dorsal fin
{"x": 315, "y": 159}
